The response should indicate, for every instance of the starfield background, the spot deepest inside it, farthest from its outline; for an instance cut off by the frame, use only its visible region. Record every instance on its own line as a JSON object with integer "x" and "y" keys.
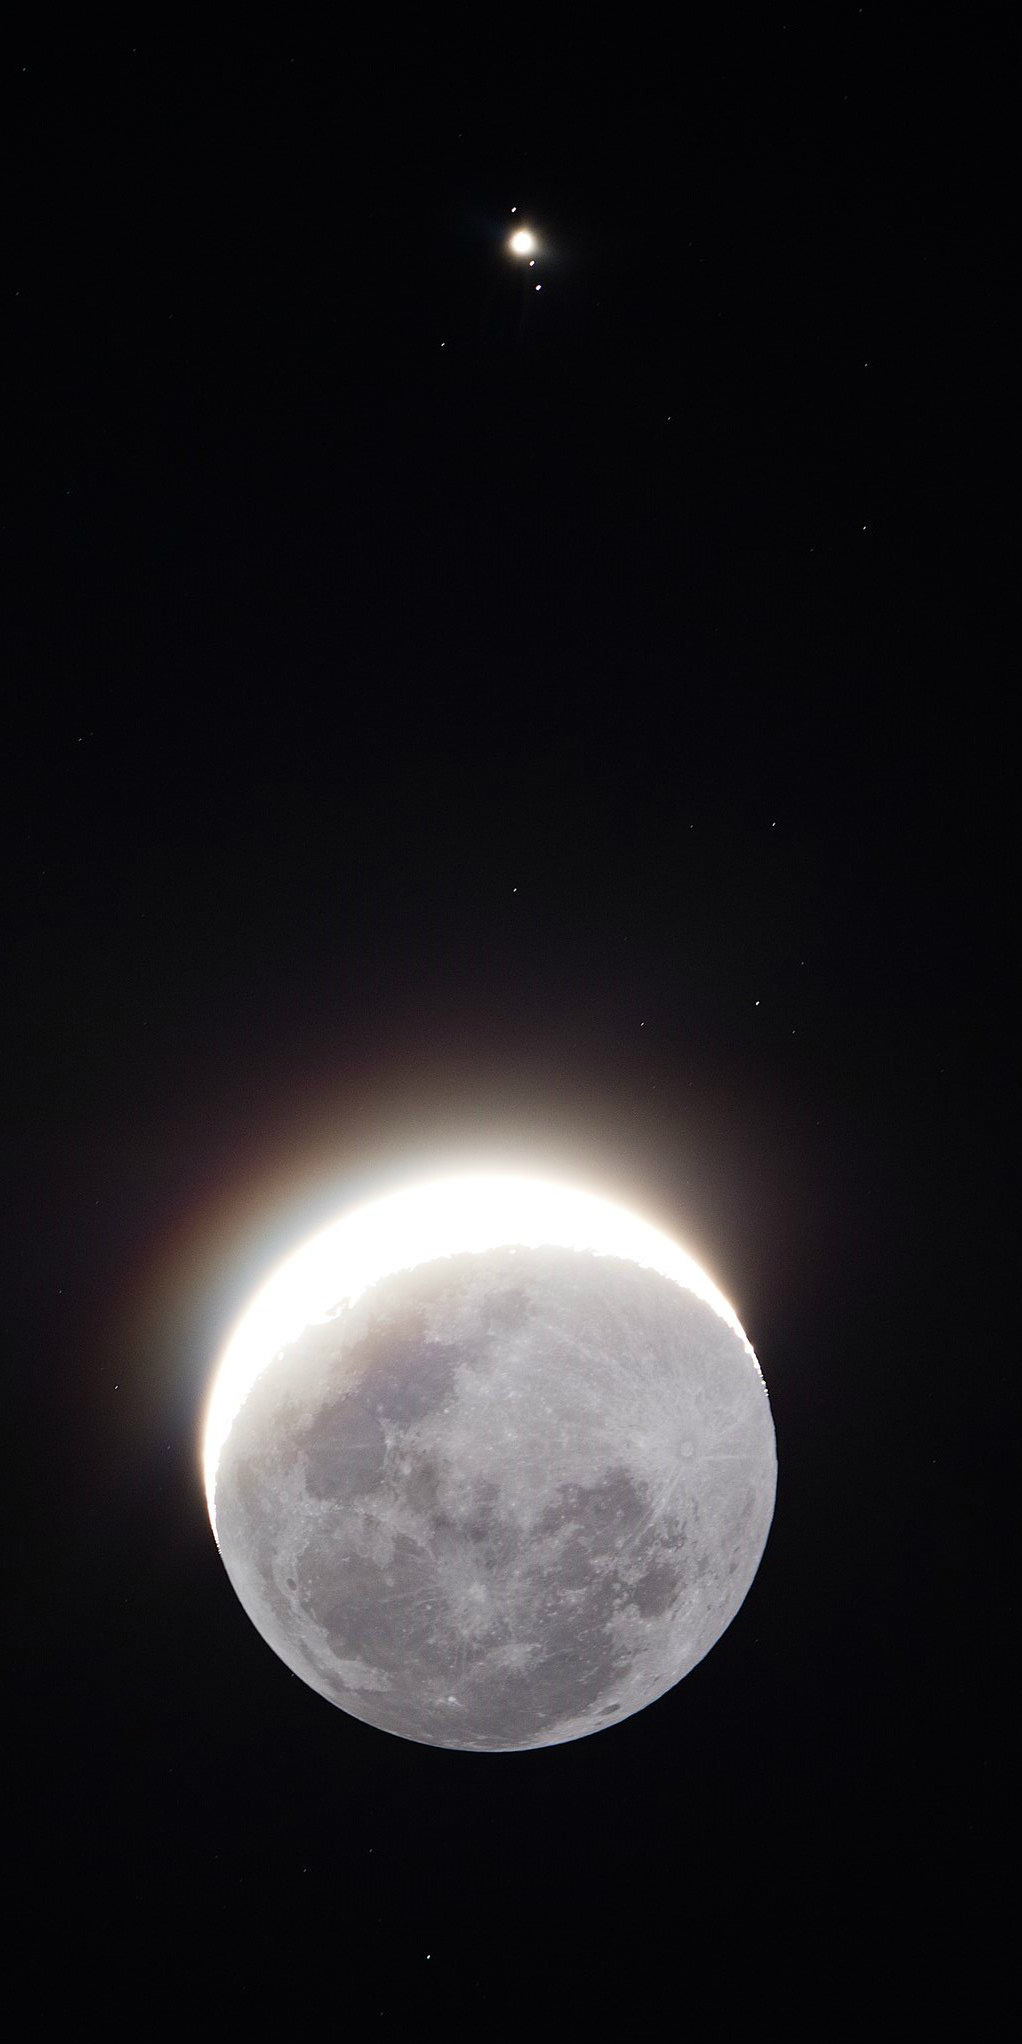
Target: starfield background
{"x": 564, "y": 728}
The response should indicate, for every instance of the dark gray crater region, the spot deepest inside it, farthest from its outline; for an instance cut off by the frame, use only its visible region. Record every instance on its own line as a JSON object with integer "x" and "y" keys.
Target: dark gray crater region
{"x": 504, "y": 1500}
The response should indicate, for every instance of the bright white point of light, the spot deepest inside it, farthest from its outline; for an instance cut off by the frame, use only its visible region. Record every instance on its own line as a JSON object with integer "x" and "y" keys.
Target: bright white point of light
{"x": 446, "y": 1217}
{"x": 522, "y": 242}
{"x": 539, "y": 287}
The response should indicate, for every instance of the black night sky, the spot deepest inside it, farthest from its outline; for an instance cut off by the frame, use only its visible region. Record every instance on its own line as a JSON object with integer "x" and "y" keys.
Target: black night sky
{"x": 562, "y": 727}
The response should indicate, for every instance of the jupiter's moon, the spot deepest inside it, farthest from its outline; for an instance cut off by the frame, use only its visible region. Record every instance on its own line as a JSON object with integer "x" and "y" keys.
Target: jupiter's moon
{"x": 490, "y": 1463}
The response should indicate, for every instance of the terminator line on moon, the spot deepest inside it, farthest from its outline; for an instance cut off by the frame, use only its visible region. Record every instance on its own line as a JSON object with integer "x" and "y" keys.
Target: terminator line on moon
{"x": 490, "y": 1463}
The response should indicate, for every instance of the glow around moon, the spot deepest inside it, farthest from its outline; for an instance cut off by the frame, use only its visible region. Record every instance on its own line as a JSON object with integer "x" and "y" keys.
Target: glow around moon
{"x": 415, "y": 1226}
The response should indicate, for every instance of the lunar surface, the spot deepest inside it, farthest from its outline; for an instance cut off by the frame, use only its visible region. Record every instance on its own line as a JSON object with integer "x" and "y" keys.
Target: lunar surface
{"x": 501, "y": 1499}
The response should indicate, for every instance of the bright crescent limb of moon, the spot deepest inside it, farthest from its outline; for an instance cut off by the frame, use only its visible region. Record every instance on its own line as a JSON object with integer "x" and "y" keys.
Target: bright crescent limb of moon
{"x": 446, "y": 1217}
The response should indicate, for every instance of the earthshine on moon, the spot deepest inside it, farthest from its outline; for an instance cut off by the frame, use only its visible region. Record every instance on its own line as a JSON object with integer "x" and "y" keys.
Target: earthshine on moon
{"x": 490, "y": 1463}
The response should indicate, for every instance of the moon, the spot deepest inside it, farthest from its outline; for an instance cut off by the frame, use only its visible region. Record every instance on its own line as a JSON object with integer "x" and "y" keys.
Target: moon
{"x": 490, "y": 1463}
